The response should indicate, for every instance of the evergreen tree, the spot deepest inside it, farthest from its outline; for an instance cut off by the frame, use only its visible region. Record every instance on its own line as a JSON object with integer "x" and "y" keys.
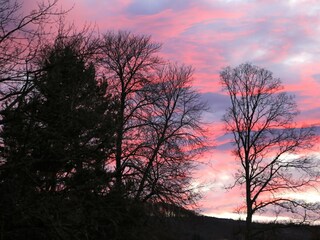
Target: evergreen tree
{"x": 56, "y": 141}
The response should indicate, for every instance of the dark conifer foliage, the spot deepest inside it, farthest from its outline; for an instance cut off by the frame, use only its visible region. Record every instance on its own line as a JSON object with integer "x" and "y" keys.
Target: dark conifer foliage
{"x": 56, "y": 141}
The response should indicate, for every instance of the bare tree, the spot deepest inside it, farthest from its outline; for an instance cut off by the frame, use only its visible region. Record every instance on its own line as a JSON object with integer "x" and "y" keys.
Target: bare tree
{"x": 158, "y": 126}
{"x": 20, "y": 35}
{"x": 173, "y": 135}
{"x": 267, "y": 140}
{"x": 128, "y": 62}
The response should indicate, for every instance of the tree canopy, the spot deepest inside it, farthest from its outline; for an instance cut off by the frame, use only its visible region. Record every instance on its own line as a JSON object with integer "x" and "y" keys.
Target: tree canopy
{"x": 267, "y": 141}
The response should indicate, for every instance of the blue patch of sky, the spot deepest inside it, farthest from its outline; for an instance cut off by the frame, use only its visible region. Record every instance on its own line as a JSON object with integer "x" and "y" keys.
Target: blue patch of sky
{"x": 316, "y": 77}
{"x": 217, "y": 103}
{"x": 149, "y": 7}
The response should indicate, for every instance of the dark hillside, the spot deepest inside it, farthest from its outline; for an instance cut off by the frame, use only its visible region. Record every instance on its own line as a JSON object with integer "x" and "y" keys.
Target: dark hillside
{"x": 210, "y": 228}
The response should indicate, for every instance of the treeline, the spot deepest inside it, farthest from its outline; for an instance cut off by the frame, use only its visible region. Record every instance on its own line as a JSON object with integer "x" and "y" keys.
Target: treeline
{"x": 98, "y": 133}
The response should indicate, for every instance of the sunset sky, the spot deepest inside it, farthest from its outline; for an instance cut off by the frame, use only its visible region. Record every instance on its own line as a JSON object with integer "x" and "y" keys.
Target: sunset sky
{"x": 282, "y": 36}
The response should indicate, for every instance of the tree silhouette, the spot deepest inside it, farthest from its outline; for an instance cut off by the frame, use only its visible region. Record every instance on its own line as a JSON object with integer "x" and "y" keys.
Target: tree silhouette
{"x": 102, "y": 138}
{"x": 158, "y": 120}
{"x": 173, "y": 134}
{"x": 57, "y": 138}
{"x": 127, "y": 61}
{"x": 261, "y": 119}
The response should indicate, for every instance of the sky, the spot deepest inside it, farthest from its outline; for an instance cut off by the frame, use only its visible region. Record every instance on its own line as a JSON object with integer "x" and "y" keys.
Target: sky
{"x": 282, "y": 36}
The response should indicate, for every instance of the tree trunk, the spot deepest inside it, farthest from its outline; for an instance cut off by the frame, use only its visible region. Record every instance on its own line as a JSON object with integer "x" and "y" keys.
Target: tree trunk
{"x": 248, "y": 202}
{"x": 118, "y": 172}
{"x": 119, "y": 139}
{"x": 248, "y": 224}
